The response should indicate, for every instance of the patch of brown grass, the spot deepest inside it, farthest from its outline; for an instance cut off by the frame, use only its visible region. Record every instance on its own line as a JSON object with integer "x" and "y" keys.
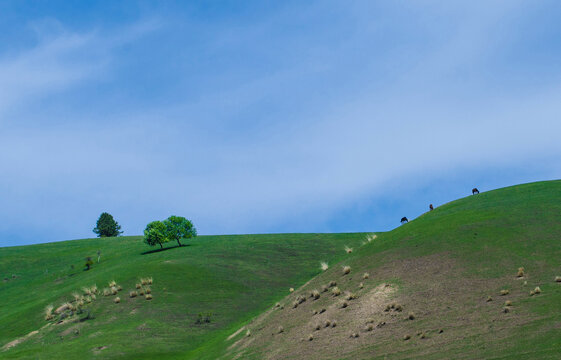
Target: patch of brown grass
{"x": 147, "y": 290}
{"x": 336, "y": 291}
{"x": 520, "y": 272}
{"x": 505, "y": 292}
{"x": 324, "y": 288}
{"x": 49, "y": 313}
{"x": 114, "y": 290}
{"x": 280, "y": 330}
{"x": 348, "y": 250}
{"x": 508, "y": 303}
{"x": 406, "y": 337}
{"x": 365, "y": 275}
{"x": 138, "y": 285}
{"x": 327, "y": 323}
{"x": 344, "y": 304}
{"x": 411, "y": 316}
{"x": 558, "y": 279}
{"x": 360, "y": 286}
{"x": 112, "y": 283}
{"x": 537, "y": 290}
{"x": 133, "y": 294}
{"x": 106, "y": 292}
{"x": 354, "y": 335}
{"x": 324, "y": 266}
{"x": 489, "y": 298}
{"x": 148, "y": 297}
{"x": 117, "y": 300}
{"x": 332, "y": 283}
{"x": 315, "y": 294}
{"x": 291, "y": 290}
{"x": 346, "y": 270}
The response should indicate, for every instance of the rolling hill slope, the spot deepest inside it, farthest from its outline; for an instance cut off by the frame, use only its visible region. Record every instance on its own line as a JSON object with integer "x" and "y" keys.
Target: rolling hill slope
{"x": 433, "y": 289}
{"x": 232, "y": 277}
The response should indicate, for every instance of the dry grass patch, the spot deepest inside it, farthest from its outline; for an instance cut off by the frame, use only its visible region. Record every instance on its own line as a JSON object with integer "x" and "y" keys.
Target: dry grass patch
{"x": 558, "y": 279}
{"x": 354, "y": 335}
{"x": 369, "y": 327}
{"x": 360, "y": 286}
{"x": 148, "y": 297}
{"x": 350, "y": 296}
{"x": 537, "y": 290}
{"x": 147, "y": 290}
{"x": 406, "y": 337}
{"x": 327, "y": 323}
{"x": 336, "y": 291}
{"x": 520, "y": 272}
{"x": 49, "y": 312}
{"x": 112, "y": 283}
{"x": 133, "y": 294}
{"x": 365, "y": 275}
{"x": 280, "y": 330}
{"x": 505, "y": 292}
{"x": 411, "y": 316}
{"x": 489, "y": 298}
{"x": 310, "y": 337}
{"x": 291, "y": 290}
{"x": 138, "y": 285}
{"x": 117, "y": 300}
{"x": 94, "y": 290}
{"x": 346, "y": 270}
{"x": 106, "y": 292}
{"x": 315, "y": 294}
{"x": 324, "y": 266}
{"x": 344, "y": 304}
{"x": 506, "y": 310}
{"x": 114, "y": 290}
{"x": 86, "y": 291}
{"x": 508, "y": 303}
{"x": 324, "y": 288}
{"x": 348, "y": 250}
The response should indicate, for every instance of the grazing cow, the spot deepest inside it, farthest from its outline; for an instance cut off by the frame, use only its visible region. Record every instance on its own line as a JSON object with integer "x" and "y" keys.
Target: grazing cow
{"x": 474, "y": 191}
{"x": 404, "y": 220}
{"x": 431, "y": 207}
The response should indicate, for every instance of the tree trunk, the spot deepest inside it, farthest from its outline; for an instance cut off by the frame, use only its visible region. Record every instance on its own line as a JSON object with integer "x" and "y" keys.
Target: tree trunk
{"x": 179, "y": 242}
{"x": 161, "y": 246}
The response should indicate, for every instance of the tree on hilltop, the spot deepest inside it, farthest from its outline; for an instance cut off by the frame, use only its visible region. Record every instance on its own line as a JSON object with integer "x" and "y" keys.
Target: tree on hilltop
{"x": 106, "y": 226}
{"x": 178, "y": 228}
{"x": 155, "y": 234}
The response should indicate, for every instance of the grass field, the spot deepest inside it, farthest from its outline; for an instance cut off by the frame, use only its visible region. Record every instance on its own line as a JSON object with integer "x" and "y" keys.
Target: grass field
{"x": 234, "y": 277}
{"x": 442, "y": 267}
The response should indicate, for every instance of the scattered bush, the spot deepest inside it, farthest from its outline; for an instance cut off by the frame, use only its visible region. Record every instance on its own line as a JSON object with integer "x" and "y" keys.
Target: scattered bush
{"x": 148, "y": 297}
{"x": 133, "y": 294}
{"x": 324, "y": 288}
{"x": 114, "y": 291}
{"x": 317, "y": 327}
{"x": 248, "y": 333}
{"x": 310, "y": 337}
{"x": 94, "y": 290}
{"x": 332, "y": 283}
{"x": 422, "y": 336}
{"x": 532, "y": 293}
{"x": 295, "y": 304}
{"x": 354, "y": 335}
{"x": 324, "y": 266}
{"x": 388, "y": 308}
{"x": 143, "y": 281}
{"x": 119, "y": 288}
{"x": 327, "y": 323}
{"x": 280, "y": 330}
{"x": 348, "y": 250}
{"x": 88, "y": 299}
{"x": 203, "y": 318}
{"x": 300, "y": 299}
{"x": 291, "y": 290}
{"x": 138, "y": 285}
{"x": 315, "y": 294}
{"x": 537, "y": 290}
{"x": 112, "y": 283}
{"x": 76, "y": 296}
{"x": 365, "y": 275}
{"x": 149, "y": 280}
{"x": 508, "y": 303}
{"x": 558, "y": 279}
{"x": 322, "y": 311}
{"x": 106, "y": 292}
{"x": 505, "y": 292}
{"x": 86, "y": 291}
{"x": 346, "y": 270}
{"x": 350, "y": 296}
{"x": 147, "y": 290}
{"x": 489, "y": 298}
{"x": 506, "y": 310}
{"x": 360, "y": 286}
{"x": 369, "y": 327}
{"x": 398, "y": 307}
{"x": 411, "y": 316}
{"x": 520, "y": 272}
{"x": 141, "y": 291}
{"x": 344, "y": 304}
{"x": 117, "y": 300}
{"x": 336, "y": 291}
{"x": 371, "y": 237}
{"x": 406, "y": 337}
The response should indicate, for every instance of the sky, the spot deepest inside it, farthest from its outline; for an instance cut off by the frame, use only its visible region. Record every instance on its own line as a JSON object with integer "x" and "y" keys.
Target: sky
{"x": 269, "y": 116}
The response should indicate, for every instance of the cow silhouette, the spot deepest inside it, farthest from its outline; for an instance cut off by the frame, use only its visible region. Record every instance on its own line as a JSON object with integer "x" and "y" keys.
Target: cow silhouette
{"x": 474, "y": 191}
{"x": 404, "y": 220}
{"x": 431, "y": 207}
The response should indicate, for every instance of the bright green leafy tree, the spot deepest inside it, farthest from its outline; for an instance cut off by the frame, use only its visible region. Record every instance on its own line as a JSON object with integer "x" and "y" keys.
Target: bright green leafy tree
{"x": 107, "y": 226}
{"x": 178, "y": 228}
{"x": 155, "y": 234}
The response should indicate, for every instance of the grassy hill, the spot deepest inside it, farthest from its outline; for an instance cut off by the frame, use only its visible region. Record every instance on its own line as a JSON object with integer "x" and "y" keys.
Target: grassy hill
{"x": 442, "y": 276}
{"x": 233, "y": 277}
{"x": 433, "y": 290}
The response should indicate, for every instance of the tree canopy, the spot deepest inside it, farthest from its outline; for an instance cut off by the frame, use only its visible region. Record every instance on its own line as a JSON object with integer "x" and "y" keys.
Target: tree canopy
{"x": 155, "y": 234}
{"x": 178, "y": 228}
{"x": 106, "y": 226}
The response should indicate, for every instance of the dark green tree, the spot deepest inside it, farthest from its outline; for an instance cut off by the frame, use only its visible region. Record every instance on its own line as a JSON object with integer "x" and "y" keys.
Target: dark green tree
{"x": 106, "y": 226}
{"x": 178, "y": 228}
{"x": 155, "y": 234}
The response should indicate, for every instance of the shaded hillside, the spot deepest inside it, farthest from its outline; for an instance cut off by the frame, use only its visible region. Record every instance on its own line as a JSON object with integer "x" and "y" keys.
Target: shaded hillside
{"x": 433, "y": 289}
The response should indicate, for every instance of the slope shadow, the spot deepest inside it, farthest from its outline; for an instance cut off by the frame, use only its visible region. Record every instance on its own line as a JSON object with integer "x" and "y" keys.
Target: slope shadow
{"x": 164, "y": 249}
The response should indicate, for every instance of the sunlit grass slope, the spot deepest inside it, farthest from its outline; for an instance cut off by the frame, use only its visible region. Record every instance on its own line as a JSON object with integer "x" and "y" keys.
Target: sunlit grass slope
{"x": 232, "y": 277}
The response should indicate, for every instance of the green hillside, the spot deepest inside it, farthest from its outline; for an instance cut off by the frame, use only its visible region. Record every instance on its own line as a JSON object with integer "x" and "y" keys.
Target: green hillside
{"x": 432, "y": 290}
{"x": 441, "y": 276}
{"x": 234, "y": 277}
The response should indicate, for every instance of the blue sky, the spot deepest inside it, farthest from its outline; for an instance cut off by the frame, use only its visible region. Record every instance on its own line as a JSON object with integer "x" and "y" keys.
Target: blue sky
{"x": 269, "y": 116}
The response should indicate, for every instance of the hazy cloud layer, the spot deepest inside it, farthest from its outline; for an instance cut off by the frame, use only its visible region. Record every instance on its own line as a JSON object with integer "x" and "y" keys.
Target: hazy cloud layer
{"x": 319, "y": 117}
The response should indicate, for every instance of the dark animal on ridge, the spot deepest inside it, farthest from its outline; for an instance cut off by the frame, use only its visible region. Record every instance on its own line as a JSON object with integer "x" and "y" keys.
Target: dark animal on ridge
{"x": 474, "y": 191}
{"x": 404, "y": 220}
{"x": 431, "y": 207}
